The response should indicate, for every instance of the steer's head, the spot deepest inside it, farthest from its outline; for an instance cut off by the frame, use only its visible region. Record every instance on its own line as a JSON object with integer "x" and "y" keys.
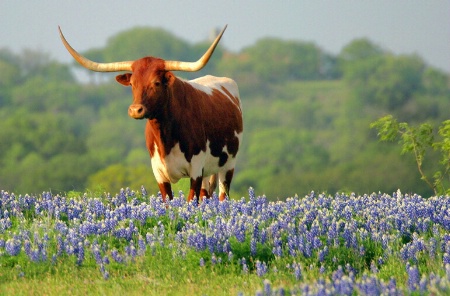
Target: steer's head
{"x": 149, "y": 83}
{"x": 149, "y": 77}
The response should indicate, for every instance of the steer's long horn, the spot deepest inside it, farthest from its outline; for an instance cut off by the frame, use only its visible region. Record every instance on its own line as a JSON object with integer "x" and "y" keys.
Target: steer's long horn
{"x": 99, "y": 67}
{"x": 194, "y": 66}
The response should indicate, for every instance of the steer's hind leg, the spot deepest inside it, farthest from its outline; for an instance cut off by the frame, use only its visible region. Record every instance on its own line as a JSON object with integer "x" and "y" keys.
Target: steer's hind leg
{"x": 212, "y": 184}
{"x": 204, "y": 192}
{"x": 224, "y": 183}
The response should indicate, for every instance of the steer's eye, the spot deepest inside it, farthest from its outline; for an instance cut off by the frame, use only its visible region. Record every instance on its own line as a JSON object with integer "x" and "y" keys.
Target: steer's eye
{"x": 157, "y": 83}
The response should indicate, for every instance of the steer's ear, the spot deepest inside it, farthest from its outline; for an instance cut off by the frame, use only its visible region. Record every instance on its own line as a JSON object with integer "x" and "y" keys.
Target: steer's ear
{"x": 124, "y": 79}
{"x": 169, "y": 78}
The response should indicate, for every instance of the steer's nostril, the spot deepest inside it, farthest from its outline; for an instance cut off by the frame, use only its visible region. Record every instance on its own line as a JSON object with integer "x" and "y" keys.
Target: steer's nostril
{"x": 137, "y": 111}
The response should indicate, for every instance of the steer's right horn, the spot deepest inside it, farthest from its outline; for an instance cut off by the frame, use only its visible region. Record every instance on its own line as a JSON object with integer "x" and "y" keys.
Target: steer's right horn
{"x": 198, "y": 65}
{"x": 99, "y": 67}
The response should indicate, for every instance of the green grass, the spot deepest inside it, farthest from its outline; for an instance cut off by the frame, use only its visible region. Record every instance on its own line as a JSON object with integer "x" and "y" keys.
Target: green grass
{"x": 159, "y": 274}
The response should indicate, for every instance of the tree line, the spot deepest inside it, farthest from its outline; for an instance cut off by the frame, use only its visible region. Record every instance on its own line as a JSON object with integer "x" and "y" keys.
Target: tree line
{"x": 307, "y": 117}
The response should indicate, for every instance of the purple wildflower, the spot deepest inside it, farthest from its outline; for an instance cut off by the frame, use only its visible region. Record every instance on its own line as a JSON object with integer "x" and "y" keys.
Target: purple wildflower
{"x": 446, "y": 258}
{"x": 267, "y": 287}
{"x": 413, "y": 278}
{"x": 261, "y": 268}
{"x": 116, "y": 256}
{"x": 244, "y": 266}
{"x": 13, "y": 246}
{"x": 253, "y": 246}
{"x": 141, "y": 245}
{"x": 297, "y": 271}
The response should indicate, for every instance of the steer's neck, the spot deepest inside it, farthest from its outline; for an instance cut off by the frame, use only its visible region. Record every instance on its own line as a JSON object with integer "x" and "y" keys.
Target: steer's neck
{"x": 174, "y": 118}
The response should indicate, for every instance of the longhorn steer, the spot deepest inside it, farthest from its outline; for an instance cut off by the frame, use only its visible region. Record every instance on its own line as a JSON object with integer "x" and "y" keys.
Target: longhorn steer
{"x": 194, "y": 127}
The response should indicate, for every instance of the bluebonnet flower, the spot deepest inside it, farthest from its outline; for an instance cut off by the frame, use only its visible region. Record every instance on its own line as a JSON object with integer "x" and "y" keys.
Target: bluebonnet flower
{"x": 244, "y": 265}
{"x": 299, "y": 225}
{"x": 143, "y": 191}
{"x": 423, "y": 284}
{"x": 446, "y": 258}
{"x": 80, "y": 253}
{"x": 432, "y": 246}
{"x": 373, "y": 267}
{"x": 116, "y": 256}
{"x": 370, "y": 285}
{"x": 413, "y": 278}
{"x": 267, "y": 287}
{"x": 277, "y": 244}
{"x": 362, "y": 250}
{"x": 96, "y": 253}
{"x": 142, "y": 246}
{"x": 34, "y": 255}
{"x": 131, "y": 250}
{"x": 5, "y": 224}
{"x": 297, "y": 270}
{"x": 202, "y": 262}
{"x": 211, "y": 243}
{"x": 27, "y": 247}
{"x": 13, "y": 246}
{"x": 392, "y": 287}
{"x": 213, "y": 259}
{"x": 104, "y": 272}
{"x": 261, "y": 268}
{"x": 253, "y": 246}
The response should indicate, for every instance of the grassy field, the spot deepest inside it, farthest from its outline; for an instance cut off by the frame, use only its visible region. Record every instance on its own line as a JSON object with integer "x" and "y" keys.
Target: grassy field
{"x": 131, "y": 243}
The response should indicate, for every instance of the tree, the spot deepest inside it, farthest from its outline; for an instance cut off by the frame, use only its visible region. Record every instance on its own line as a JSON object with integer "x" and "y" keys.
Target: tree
{"x": 418, "y": 141}
{"x": 276, "y": 60}
{"x": 359, "y": 50}
{"x": 385, "y": 81}
{"x": 279, "y": 154}
{"x": 141, "y": 42}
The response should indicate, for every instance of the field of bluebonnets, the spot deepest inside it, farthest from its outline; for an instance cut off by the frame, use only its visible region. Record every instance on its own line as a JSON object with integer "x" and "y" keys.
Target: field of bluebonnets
{"x": 318, "y": 244}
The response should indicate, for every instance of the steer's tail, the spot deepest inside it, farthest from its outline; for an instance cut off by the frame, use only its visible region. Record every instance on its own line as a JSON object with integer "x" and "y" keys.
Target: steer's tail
{"x": 212, "y": 184}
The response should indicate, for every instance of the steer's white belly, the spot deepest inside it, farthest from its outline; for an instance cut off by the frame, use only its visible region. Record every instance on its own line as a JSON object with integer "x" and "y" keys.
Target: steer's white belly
{"x": 175, "y": 166}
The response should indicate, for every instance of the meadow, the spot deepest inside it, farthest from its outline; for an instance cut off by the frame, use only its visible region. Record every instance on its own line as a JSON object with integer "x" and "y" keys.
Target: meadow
{"x": 132, "y": 243}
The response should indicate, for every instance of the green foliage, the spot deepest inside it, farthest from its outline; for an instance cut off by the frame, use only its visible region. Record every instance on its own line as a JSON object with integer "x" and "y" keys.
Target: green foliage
{"x": 116, "y": 176}
{"x": 417, "y": 141}
{"x": 306, "y": 113}
{"x": 273, "y": 61}
{"x": 360, "y": 49}
{"x": 140, "y": 42}
{"x": 386, "y": 81}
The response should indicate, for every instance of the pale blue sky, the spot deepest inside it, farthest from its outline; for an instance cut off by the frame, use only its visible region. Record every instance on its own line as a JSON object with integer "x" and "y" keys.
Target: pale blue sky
{"x": 401, "y": 26}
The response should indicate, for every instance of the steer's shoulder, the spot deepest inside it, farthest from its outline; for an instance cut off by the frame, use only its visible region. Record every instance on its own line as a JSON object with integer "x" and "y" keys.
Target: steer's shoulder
{"x": 208, "y": 83}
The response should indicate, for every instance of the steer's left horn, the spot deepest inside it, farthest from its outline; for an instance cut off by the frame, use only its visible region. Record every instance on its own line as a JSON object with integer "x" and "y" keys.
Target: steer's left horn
{"x": 198, "y": 65}
{"x": 88, "y": 64}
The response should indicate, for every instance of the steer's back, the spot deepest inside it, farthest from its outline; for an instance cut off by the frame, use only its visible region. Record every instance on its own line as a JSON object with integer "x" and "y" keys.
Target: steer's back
{"x": 225, "y": 85}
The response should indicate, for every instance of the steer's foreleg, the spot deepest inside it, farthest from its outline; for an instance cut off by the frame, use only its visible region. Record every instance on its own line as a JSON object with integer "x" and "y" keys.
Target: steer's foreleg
{"x": 166, "y": 190}
{"x": 196, "y": 185}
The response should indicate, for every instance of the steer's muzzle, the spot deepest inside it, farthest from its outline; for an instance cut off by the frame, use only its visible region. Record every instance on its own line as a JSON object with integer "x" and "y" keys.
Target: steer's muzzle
{"x": 137, "y": 111}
